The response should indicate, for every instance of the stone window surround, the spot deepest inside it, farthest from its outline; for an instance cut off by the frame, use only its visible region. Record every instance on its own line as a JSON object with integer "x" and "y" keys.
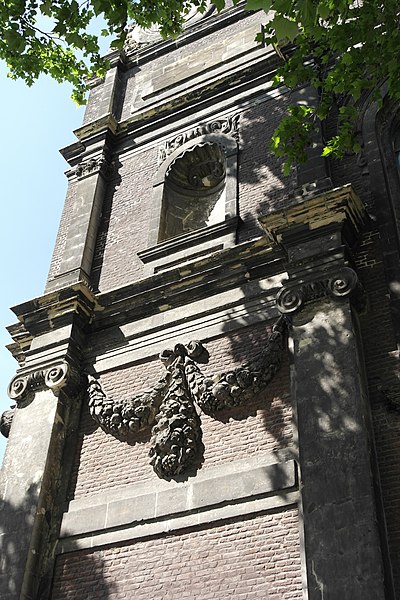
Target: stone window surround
{"x": 205, "y": 240}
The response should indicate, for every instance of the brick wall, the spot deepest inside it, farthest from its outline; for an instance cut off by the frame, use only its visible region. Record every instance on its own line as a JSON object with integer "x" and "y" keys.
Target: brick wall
{"x": 382, "y": 374}
{"x": 264, "y": 425}
{"x": 257, "y": 557}
{"x": 62, "y": 234}
{"x": 125, "y": 222}
{"x": 262, "y": 186}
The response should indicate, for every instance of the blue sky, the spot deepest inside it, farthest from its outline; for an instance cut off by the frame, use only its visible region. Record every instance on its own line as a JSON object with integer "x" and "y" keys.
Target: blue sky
{"x": 36, "y": 123}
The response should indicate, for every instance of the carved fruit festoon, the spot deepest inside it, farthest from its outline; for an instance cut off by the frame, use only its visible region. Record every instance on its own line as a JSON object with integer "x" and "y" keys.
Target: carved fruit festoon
{"x": 169, "y": 406}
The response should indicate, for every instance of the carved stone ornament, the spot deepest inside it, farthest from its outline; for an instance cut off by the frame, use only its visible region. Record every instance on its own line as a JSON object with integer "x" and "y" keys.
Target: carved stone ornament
{"x": 6, "y": 420}
{"x": 59, "y": 376}
{"x": 176, "y": 437}
{"x": 94, "y": 165}
{"x": 337, "y": 284}
{"x": 55, "y": 378}
{"x": 227, "y": 125}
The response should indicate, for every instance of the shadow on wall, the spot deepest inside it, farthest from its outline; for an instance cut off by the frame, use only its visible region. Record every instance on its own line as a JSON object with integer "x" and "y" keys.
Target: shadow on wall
{"x": 82, "y": 578}
{"x": 19, "y": 519}
{"x": 338, "y": 423}
{"x": 262, "y": 186}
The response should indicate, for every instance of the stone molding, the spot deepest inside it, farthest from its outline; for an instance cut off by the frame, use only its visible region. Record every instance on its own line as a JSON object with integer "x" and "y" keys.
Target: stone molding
{"x": 340, "y": 206}
{"x": 338, "y": 283}
{"x": 225, "y": 125}
{"x": 176, "y": 440}
{"x": 253, "y": 303}
{"x": 183, "y": 284}
{"x": 206, "y": 235}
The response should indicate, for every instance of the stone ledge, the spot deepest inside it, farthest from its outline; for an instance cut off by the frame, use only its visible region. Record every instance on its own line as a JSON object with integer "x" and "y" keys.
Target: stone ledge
{"x": 192, "y": 240}
{"x": 142, "y": 530}
{"x": 251, "y": 478}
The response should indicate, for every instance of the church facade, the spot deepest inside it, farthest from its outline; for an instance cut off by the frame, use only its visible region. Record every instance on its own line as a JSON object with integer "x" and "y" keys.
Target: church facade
{"x": 207, "y": 401}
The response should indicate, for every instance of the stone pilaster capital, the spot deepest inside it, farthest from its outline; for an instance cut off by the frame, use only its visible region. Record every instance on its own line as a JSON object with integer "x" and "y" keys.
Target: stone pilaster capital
{"x": 337, "y": 284}
{"x": 97, "y": 165}
{"x": 318, "y": 235}
{"x": 56, "y": 377}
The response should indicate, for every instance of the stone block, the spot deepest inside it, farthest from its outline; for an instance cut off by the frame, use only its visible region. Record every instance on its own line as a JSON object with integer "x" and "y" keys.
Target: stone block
{"x": 130, "y": 510}
{"x": 84, "y": 521}
{"x": 246, "y": 484}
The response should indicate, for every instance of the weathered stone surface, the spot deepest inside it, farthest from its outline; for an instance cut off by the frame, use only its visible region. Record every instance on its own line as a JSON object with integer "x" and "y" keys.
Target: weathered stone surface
{"x": 125, "y": 529}
{"x": 23, "y": 491}
{"x": 340, "y": 521}
{"x": 168, "y": 406}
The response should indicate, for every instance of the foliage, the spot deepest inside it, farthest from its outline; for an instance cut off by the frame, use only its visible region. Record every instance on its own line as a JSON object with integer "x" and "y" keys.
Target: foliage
{"x": 54, "y": 37}
{"x": 342, "y": 48}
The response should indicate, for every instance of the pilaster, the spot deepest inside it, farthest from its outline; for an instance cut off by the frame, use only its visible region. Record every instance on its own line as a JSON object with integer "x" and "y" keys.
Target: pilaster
{"x": 46, "y": 391}
{"x": 341, "y": 537}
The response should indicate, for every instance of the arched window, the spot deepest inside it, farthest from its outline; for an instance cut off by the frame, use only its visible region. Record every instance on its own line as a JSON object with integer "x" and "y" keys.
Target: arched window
{"x": 194, "y": 192}
{"x": 194, "y": 201}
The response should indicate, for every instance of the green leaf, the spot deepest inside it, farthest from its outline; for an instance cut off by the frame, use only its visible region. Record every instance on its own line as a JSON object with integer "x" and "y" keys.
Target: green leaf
{"x": 287, "y": 168}
{"x": 285, "y": 29}
{"x": 347, "y": 58}
{"x": 327, "y": 151}
{"x": 323, "y": 10}
{"x": 258, "y": 5}
{"x": 219, "y": 5}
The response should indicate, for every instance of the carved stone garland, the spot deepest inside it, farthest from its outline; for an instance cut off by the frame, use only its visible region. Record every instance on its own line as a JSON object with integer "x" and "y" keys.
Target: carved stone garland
{"x": 176, "y": 438}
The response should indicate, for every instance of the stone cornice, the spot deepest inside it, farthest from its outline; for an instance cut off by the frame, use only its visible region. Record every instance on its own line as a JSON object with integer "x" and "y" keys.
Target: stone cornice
{"x": 104, "y": 124}
{"x": 340, "y": 206}
{"x": 224, "y": 89}
{"x": 22, "y": 340}
{"x": 56, "y": 309}
{"x": 182, "y": 285}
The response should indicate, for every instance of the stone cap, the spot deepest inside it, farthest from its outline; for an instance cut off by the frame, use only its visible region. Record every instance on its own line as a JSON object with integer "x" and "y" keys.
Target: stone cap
{"x": 340, "y": 206}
